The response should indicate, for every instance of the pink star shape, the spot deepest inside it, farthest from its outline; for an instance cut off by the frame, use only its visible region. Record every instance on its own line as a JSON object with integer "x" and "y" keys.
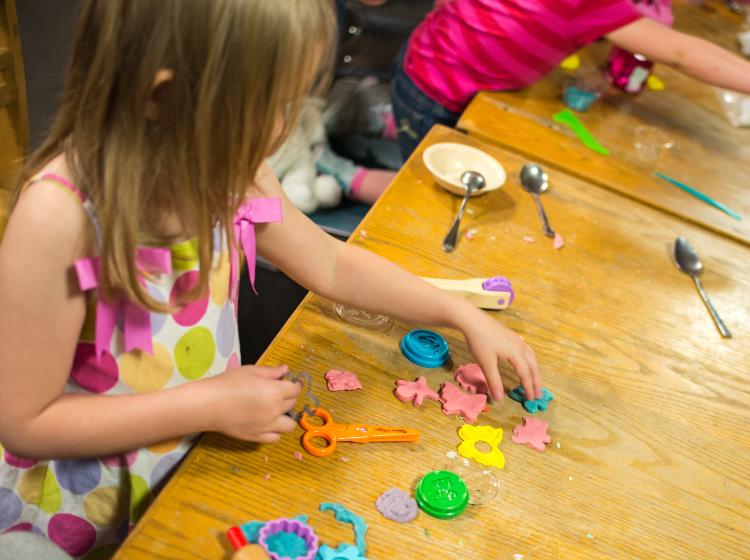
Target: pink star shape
{"x": 471, "y": 378}
{"x": 415, "y": 391}
{"x": 342, "y": 380}
{"x": 455, "y": 401}
{"x": 533, "y": 432}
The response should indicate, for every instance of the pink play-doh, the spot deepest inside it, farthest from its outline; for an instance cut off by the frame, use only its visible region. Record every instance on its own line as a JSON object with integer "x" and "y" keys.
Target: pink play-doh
{"x": 415, "y": 391}
{"x": 470, "y": 377}
{"x": 456, "y": 401}
{"x": 342, "y": 380}
{"x": 533, "y": 432}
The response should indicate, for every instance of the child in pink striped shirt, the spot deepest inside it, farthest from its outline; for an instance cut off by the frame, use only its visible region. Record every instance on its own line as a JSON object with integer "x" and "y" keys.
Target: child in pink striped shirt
{"x": 465, "y": 46}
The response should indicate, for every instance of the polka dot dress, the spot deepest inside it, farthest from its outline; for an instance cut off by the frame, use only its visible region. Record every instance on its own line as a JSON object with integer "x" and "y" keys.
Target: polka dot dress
{"x": 87, "y": 506}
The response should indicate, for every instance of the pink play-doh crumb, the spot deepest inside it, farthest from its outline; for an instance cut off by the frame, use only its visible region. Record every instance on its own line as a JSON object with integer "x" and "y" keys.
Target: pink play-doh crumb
{"x": 342, "y": 380}
{"x": 558, "y": 242}
{"x": 471, "y": 234}
{"x": 345, "y": 459}
{"x": 456, "y": 401}
{"x": 415, "y": 391}
{"x": 267, "y": 476}
{"x": 298, "y": 455}
{"x": 528, "y": 239}
{"x": 471, "y": 378}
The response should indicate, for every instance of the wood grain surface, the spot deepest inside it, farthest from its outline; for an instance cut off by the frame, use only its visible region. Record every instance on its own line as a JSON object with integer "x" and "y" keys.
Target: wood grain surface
{"x": 650, "y": 451}
{"x": 14, "y": 126}
{"x": 708, "y": 154}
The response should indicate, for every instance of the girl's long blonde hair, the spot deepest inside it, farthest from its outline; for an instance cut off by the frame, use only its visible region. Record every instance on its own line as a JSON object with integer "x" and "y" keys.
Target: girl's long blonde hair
{"x": 237, "y": 67}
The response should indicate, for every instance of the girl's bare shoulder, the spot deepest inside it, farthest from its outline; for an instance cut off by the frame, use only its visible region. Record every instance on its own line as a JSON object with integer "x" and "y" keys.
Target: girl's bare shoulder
{"x": 49, "y": 217}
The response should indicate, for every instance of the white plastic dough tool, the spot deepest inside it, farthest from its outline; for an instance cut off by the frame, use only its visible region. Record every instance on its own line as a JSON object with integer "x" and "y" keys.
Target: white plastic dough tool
{"x": 485, "y": 293}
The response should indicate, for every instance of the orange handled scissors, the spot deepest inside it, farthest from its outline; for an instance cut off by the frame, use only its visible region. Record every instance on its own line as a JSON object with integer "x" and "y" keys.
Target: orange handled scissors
{"x": 332, "y": 432}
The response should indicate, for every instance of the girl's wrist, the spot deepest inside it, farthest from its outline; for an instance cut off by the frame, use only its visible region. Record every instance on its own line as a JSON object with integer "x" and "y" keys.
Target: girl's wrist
{"x": 462, "y": 314}
{"x": 200, "y": 399}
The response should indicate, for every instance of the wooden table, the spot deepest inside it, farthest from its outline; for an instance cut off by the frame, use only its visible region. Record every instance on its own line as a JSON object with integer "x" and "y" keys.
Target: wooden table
{"x": 650, "y": 449}
{"x": 708, "y": 154}
{"x": 14, "y": 133}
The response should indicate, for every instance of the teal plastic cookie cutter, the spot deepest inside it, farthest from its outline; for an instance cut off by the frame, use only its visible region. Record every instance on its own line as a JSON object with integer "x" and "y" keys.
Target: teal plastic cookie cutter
{"x": 343, "y": 552}
{"x": 344, "y": 515}
{"x": 425, "y": 348}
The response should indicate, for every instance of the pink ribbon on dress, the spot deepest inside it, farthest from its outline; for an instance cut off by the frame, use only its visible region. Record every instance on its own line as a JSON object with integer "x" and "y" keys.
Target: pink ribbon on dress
{"x": 136, "y": 319}
{"x": 253, "y": 211}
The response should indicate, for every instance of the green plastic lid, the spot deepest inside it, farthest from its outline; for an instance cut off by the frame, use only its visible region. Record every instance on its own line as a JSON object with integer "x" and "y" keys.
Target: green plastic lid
{"x": 442, "y": 494}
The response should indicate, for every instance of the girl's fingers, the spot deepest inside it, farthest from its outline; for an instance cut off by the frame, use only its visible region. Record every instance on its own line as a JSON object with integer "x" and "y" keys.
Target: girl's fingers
{"x": 492, "y": 374}
{"x": 290, "y": 389}
{"x": 268, "y": 437}
{"x": 269, "y": 372}
{"x": 286, "y": 408}
{"x": 536, "y": 376}
{"x": 522, "y": 370}
{"x": 288, "y": 404}
{"x": 283, "y": 424}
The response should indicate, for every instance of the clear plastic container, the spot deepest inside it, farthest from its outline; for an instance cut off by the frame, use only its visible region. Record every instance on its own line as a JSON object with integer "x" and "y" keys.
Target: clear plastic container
{"x": 362, "y": 318}
{"x": 582, "y": 91}
{"x": 650, "y": 143}
{"x": 480, "y": 480}
{"x": 736, "y": 106}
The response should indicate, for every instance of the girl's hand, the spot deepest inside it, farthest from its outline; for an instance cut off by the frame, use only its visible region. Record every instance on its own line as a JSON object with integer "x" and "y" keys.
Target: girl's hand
{"x": 488, "y": 341}
{"x": 250, "y": 403}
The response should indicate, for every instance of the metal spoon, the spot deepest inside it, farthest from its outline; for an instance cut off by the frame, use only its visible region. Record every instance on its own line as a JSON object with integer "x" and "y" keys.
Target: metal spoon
{"x": 472, "y": 181}
{"x": 535, "y": 181}
{"x": 688, "y": 262}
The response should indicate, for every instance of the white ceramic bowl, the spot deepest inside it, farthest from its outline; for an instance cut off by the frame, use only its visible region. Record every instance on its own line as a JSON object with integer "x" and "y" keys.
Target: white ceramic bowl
{"x": 447, "y": 161}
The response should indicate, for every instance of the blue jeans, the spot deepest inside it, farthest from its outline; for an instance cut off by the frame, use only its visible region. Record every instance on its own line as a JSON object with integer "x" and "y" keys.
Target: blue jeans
{"x": 415, "y": 113}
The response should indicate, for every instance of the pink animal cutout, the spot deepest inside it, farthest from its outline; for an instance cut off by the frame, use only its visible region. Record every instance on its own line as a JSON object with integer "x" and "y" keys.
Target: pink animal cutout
{"x": 342, "y": 380}
{"x": 533, "y": 432}
{"x": 415, "y": 391}
{"x": 455, "y": 401}
{"x": 471, "y": 378}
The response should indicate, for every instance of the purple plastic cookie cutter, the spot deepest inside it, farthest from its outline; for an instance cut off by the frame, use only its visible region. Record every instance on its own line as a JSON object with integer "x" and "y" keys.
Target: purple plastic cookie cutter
{"x": 288, "y": 539}
{"x": 499, "y": 284}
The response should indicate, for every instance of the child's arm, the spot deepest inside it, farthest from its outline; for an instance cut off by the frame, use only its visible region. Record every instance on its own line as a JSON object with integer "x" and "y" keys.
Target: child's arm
{"x": 690, "y": 55}
{"x": 42, "y": 311}
{"x": 350, "y": 275}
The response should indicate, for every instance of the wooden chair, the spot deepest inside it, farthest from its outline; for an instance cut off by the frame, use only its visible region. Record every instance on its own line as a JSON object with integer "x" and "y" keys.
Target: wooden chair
{"x": 14, "y": 125}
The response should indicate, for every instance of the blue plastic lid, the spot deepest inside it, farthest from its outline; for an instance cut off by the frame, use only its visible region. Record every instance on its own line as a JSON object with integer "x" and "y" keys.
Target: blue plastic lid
{"x": 425, "y": 348}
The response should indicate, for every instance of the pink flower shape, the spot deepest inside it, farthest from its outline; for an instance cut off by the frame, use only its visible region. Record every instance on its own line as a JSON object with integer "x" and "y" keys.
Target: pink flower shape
{"x": 471, "y": 378}
{"x": 533, "y": 432}
{"x": 456, "y": 401}
{"x": 415, "y": 391}
{"x": 342, "y": 380}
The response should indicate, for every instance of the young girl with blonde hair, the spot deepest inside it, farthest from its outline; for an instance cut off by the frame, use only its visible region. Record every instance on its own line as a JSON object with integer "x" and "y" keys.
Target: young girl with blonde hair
{"x": 119, "y": 266}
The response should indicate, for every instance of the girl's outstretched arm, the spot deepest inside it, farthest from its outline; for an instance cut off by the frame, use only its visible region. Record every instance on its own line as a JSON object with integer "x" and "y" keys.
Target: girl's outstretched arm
{"x": 690, "y": 55}
{"x": 41, "y": 314}
{"x": 354, "y": 276}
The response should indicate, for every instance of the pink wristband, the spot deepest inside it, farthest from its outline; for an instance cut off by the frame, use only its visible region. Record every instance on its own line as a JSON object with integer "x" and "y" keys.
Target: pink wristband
{"x": 389, "y": 130}
{"x": 359, "y": 176}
